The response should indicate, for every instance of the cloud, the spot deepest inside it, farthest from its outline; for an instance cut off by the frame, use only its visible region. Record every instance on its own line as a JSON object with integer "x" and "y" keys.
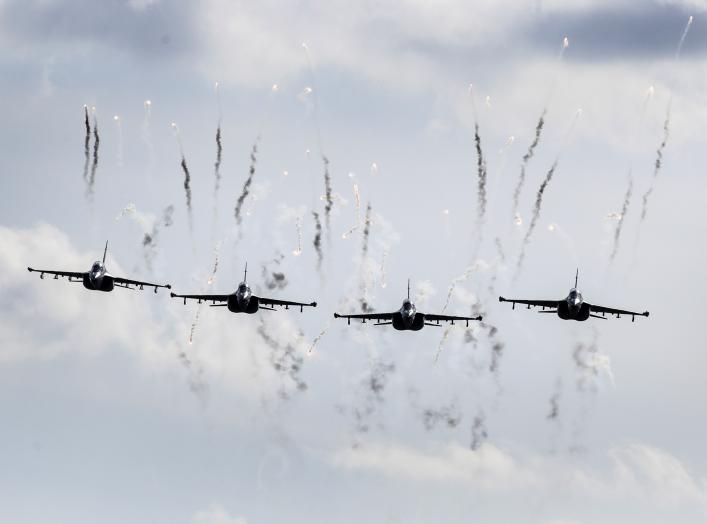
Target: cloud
{"x": 639, "y": 475}
{"x": 216, "y": 514}
{"x": 44, "y": 319}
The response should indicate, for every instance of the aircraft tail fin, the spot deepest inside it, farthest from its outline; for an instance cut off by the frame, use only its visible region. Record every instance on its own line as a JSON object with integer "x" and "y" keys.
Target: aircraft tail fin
{"x": 245, "y": 273}
{"x": 408, "y": 289}
{"x": 576, "y": 278}
{"x": 105, "y": 252}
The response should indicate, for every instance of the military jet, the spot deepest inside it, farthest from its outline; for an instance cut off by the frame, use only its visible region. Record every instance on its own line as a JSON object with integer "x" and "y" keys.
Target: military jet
{"x": 243, "y": 300}
{"x": 97, "y": 278}
{"x": 574, "y": 307}
{"x": 406, "y": 318}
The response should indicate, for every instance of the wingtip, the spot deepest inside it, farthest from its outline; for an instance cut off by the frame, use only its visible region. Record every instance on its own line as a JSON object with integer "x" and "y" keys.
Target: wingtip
{"x": 501, "y": 299}
{"x": 313, "y": 304}
{"x": 336, "y": 315}
{"x": 479, "y": 318}
{"x": 29, "y": 269}
{"x": 646, "y": 313}
{"x": 168, "y": 286}
{"x": 172, "y": 295}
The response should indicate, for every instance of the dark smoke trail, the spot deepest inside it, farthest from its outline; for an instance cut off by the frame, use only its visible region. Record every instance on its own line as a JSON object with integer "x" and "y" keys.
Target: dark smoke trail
{"x": 536, "y": 215}
{"x": 317, "y": 243}
{"x": 374, "y": 386}
{"x": 366, "y": 231}
{"x": 246, "y": 187}
{"x": 619, "y": 224}
{"x": 478, "y": 431}
{"x": 481, "y": 168}
{"x": 364, "y": 256}
{"x": 285, "y": 360}
{"x": 217, "y": 164}
{"x": 554, "y": 406}
{"x": 273, "y": 278}
{"x": 448, "y": 415}
{"x": 497, "y": 347}
{"x": 658, "y": 163}
{"x": 167, "y": 215}
{"x": 86, "y": 144}
{"x": 526, "y": 159}
{"x": 94, "y": 164}
{"x": 187, "y": 188}
{"x": 327, "y": 192}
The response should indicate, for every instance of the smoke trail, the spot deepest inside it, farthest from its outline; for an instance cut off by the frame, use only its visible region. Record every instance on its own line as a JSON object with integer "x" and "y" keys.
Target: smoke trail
{"x": 374, "y": 386}
{"x": 187, "y": 175}
{"x": 212, "y": 278}
{"x": 246, "y": 186}
{"x": 589, "y": 363}
{"x": 317, "y": 243}
{"x": 219, "y": 148}
{"x": 499, "y": 249}
{"x": 622, "y": 217}
{"x": 366, "y": 231}
{"x": 658, "y": 163}
{"x": 450, "y": 416}
{"x": 86, "y": 143}
{"x": 297, "y": 252}
{"x": 481, "y": 169}
{"x": 554, "y": 412}
{"x": 357, "y": 205}
{"x": 119, "y": 123}
{"x": 187, "y": 189}
{"x": 478, "y": 431}
{"x": 217, "y": 164}
{"x": 194, "y": 324}
{"x": 682, "y": 38}
{"x": 94, "y": 164}
{"x": 319, "y": 337}
{"x": 526, "y": 158}
{"x": 364, "y": 257}
{"x": 285, "y": 361}
{"x": 209, "y": 281}
{"x": 384, "y": 282}
{"x": 536, "y": 215}
{"x": 444, "y": 338}
{"x": 458, "y": 280}
{"x": 315, "y": 107}
{"x": 480, "y": 162}
{"x": 497, "y": 348}
{"x": 167, "y": 215}
{"x": 274, "y": 279}
{"x": 327, "y": 193}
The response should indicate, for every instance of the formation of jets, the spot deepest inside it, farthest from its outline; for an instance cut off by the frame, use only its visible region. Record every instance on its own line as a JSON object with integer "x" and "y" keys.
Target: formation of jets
{"x": 407, "y": 318}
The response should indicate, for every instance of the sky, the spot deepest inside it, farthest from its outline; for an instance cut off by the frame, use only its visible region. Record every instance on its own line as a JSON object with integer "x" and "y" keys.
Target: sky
{"x": 131, "y": 406}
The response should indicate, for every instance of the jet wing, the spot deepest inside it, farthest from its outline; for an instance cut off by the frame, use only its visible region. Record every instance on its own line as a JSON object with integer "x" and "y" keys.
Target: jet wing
{"x": 448, "y": 318}
{"x": 531, "y": 303}
{"x": 70, "y": 274}
{"x": 202, "y": 298}
{"x": 286, "y": 303}
{"x": 616, "y": 312}
{"x": 126, "y": 283}
{"x": 366, "y": 316}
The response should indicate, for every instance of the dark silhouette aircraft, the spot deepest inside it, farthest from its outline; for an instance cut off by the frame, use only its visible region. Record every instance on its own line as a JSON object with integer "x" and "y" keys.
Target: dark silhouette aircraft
{"x": 243, "y": 300}
{"x": 406, "y": 318}
{"x": 98, "y": 279}
{"x": 574, "y": 307}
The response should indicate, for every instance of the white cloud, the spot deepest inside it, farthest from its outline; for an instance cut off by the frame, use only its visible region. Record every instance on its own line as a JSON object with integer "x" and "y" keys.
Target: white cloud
{"x": 639, "y": 474}
{"x": 42, "y": 319}
{"x": 216, "y": 514}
